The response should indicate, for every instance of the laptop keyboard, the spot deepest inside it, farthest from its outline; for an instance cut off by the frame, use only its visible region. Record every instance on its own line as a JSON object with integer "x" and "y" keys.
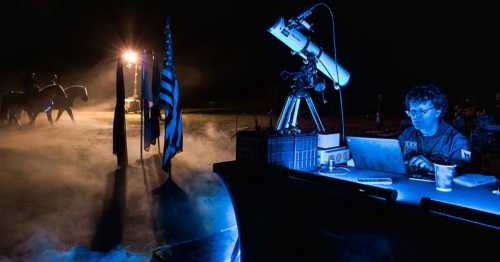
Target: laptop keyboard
{"x": 419, "y": 176}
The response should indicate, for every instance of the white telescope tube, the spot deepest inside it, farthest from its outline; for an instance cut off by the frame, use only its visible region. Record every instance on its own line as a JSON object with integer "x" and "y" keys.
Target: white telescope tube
{"x": 302, "y": 46}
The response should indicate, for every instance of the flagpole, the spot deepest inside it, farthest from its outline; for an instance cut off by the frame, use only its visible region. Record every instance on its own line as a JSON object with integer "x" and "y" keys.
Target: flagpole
{"x": 156, "y": 99}
{"x": 141, "y": 137}
{"x": 135, "y": 81}
{"x": 141, "y": 102}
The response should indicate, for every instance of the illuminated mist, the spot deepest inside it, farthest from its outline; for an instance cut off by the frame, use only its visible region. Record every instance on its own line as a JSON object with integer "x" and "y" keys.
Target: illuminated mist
{"x": 57, "y": 182}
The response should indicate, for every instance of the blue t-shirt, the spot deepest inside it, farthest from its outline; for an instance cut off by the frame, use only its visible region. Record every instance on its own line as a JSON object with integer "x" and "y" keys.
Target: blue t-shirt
{"x": 447, "y": 144}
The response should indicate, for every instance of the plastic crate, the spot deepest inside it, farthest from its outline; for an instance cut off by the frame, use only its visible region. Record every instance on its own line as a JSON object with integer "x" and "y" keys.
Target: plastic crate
{"x": 292, "y": 151}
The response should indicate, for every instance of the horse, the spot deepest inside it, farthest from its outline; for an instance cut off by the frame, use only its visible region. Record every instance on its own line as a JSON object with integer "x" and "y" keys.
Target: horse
{"x": 10, "y": 108}
{"x": 65, "y": 103}
{"x": 14, "y": 102}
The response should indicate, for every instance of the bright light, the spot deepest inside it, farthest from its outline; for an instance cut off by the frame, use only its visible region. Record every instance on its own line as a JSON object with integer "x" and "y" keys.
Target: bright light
{"x": 130, "y": 57}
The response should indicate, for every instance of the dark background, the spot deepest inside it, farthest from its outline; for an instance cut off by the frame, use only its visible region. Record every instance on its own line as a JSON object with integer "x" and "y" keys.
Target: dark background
{"x": 226, "y": 58}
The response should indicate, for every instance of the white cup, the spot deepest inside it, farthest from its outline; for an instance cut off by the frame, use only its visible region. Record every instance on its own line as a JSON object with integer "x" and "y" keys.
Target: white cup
{"x": 444, "y": 176}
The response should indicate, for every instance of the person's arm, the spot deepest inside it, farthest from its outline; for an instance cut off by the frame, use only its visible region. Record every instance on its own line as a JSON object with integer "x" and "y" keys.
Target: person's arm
{"x": 420, "y": 162}
{"x": 461, "y": 152}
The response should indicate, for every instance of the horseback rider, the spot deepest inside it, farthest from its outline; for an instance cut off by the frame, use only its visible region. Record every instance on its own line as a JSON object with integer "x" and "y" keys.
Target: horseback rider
{"x": 55, "y": 79}
{"x": 55, "y": 82}
{"x": 31, "y": 87}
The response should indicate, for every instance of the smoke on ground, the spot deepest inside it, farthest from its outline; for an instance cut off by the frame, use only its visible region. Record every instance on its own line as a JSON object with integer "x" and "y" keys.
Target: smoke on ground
{"x": 58, "y": 180}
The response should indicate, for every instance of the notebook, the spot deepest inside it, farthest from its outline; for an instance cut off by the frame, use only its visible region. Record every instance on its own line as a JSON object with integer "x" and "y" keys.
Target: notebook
{"x": 381, "y": 154}
{"x": 472, "y": 180}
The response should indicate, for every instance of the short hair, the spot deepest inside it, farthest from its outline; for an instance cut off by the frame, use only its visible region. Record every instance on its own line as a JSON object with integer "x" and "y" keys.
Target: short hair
{"x": 429, "y": 92}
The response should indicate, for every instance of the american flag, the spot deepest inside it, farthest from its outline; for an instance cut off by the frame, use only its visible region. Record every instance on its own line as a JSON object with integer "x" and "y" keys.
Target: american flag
{"x": 169, "y": 96}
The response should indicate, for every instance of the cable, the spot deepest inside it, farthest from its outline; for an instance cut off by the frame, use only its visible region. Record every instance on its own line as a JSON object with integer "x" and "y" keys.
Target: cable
{"x": 342, "y": 138}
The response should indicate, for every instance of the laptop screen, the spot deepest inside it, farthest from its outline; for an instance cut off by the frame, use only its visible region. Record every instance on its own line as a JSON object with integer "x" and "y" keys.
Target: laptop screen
{"x": 379, "y": 154}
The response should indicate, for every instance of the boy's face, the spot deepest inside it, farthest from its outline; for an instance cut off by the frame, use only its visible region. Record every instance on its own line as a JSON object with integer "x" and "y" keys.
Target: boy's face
{"x": 424, "y": 115}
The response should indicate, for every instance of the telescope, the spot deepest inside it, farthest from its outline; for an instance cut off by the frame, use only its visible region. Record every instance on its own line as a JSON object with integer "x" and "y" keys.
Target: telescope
{"x": 315, "y": 59}
{"x": 304, "y": 47}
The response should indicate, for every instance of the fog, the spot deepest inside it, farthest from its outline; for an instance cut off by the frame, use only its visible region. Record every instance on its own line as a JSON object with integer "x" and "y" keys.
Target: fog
{"x": 59, "y": 183}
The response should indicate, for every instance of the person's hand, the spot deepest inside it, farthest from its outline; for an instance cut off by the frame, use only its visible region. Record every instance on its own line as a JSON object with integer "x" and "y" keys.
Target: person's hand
{"x": 421, "y": 162}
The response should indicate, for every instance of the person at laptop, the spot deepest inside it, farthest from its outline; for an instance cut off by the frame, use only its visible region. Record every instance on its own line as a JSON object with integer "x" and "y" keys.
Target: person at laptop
{"x": 431, "y": 139}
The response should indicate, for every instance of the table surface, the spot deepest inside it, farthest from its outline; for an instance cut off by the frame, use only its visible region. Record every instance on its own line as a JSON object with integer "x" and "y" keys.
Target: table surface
{"x": 409, "y": 191}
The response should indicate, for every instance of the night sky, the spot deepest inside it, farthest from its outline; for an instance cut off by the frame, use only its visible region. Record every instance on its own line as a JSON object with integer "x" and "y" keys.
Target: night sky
{"x": 224, "y": 54}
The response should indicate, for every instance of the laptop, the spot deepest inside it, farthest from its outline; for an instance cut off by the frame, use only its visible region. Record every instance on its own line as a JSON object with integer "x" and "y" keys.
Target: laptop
{"x": 381, "y": 154}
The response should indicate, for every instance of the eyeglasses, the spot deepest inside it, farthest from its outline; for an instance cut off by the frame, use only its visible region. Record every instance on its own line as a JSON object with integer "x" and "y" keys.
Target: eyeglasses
{"x": 414, "y": 112}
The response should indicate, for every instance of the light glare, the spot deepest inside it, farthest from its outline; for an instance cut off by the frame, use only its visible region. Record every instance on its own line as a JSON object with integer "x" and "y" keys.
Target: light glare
{"x": 130, "y": 57}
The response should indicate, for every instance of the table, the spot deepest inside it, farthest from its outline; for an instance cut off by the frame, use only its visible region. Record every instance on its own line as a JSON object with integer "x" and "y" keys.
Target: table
{"x": 293, "y": 215}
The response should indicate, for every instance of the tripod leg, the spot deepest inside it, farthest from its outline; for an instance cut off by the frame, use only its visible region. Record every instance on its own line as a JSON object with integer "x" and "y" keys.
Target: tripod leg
{"x": 295, "y": 112}
{"x": 284, "y": 113}
{"x": 314, "y": 113}
{"x": 288, "y": 117}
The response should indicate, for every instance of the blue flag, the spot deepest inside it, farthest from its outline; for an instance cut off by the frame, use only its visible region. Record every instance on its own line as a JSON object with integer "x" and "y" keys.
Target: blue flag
{"x": 169, "y": 96}
{"x": 147, "y": 103}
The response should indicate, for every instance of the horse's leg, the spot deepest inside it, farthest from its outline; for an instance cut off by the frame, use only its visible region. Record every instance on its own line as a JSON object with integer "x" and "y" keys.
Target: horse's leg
{"x": 18, "y": 124}
{"x": 32, "y": 118}
{"x": 10, "y": 117}
{"x": 6, "y": 108}
{"x": 59, "y": 114}
{"x": 16, "y": 116}
{"x": 49, "y": 116}
{"x": 3, "y": 113}
{"x": 70, "y": 112}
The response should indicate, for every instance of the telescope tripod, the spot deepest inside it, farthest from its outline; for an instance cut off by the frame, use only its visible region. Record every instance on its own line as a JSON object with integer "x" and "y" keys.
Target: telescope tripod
{"x": 288, "y": 117}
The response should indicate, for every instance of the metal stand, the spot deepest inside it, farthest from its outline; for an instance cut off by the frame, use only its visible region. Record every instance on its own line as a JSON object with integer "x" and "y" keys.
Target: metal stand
{"x": 288, "y": 117}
